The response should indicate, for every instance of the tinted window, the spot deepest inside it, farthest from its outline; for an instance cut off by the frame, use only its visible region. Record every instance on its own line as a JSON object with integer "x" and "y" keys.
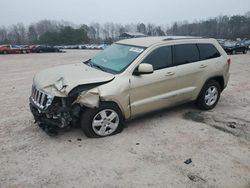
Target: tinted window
{"x": 160, "y": 58}
{"x": 208, "y": 51}
{"x": 185, "y": 53}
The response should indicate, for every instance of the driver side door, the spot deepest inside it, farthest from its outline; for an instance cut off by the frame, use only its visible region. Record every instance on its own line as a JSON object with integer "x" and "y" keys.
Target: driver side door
{"x": 149, "y": 92}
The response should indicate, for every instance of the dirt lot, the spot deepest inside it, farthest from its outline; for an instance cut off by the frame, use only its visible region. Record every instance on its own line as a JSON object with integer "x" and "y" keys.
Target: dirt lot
{"x": 150, "y": 152}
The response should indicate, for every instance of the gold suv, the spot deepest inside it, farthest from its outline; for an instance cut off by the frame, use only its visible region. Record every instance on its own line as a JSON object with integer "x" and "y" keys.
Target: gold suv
{"x": 130, "y": 78}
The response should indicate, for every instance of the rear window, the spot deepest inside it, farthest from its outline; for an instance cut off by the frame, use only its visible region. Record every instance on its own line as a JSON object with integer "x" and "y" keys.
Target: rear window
{"x": 208, "y": 51}
{"x": 185, "y": 53}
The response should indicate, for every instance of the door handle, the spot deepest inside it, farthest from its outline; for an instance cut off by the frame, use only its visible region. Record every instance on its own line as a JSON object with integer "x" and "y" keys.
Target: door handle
{"x": 170, "y": 73}
{"x": 203, "y": 66}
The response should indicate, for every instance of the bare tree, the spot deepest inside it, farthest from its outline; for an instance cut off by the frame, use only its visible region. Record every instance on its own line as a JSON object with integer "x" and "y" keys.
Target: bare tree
{"x": 44, "y": 26}
{"x": 17, "y": 34}
{"x": 142, "y": 28}
{"x": 32, "y": 34}
{"x": 3, "y": 35}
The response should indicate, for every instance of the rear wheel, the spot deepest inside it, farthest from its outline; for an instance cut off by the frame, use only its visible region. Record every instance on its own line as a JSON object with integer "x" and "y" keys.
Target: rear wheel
{"x": 209, "y": 95}
{"x": 5, "y": 52}
{"x": 103, "y": 121}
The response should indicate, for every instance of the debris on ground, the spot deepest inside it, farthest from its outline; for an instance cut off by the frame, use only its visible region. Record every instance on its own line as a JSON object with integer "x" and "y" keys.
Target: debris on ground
{"x": 195, "y": 178}
{"x": 188, "y": 161}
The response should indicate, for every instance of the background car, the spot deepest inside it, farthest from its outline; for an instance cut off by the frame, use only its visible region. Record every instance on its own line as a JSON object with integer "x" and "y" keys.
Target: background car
{"x": 25, "y": 49}
{"x": 233, "y": 47}
{"x": 10, "y": 49}
{"x": 45, "y": 48}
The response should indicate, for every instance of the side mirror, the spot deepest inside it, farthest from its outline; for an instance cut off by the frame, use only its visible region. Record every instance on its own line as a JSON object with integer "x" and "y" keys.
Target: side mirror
{"x": 144, "y": 68}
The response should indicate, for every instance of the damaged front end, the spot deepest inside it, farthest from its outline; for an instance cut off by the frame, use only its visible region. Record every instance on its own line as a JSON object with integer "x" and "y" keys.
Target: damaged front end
{"x": 60, "y": 94}
{"x": 51, "y": 112}
{"x": 62, "y": 111}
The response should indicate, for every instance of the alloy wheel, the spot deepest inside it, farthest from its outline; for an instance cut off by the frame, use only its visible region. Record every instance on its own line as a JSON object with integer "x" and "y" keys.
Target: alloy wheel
{"x": 211, "y": 95}
{"x": 105, "y": 122}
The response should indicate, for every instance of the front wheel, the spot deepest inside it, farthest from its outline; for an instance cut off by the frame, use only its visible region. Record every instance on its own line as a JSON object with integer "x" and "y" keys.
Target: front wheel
{"x": 103, "y": 121}
{"x": 209, "y": 95}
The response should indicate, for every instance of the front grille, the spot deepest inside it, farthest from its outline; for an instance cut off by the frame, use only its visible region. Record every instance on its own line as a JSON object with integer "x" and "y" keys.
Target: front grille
{"x": 40, "y": 99}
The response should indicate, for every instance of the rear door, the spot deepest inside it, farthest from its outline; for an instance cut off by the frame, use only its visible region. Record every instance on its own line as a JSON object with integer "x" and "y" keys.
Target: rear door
{"x": 194, "y": 62}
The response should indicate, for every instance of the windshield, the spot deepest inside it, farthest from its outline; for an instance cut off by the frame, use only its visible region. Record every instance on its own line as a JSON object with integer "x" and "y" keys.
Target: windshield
{"x": 116, "y": 58}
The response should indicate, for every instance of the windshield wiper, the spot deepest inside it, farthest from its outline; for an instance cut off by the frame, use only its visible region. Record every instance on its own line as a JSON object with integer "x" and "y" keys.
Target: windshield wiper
{"x": 98, "y": 66}
{"x": 88, "y": 62}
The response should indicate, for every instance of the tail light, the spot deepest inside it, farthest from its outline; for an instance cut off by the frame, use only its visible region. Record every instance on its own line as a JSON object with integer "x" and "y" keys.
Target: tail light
{"x": 229, "y": 61}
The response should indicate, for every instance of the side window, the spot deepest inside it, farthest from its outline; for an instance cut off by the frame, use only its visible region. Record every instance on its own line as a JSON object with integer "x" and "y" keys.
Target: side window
{"x": 185, "y": 53}
{"x": 208, "y": 51}
{"x": 160, "y": 58}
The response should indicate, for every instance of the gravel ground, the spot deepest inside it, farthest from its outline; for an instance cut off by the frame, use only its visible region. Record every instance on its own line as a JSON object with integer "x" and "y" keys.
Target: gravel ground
{"x": 150, "y": 152}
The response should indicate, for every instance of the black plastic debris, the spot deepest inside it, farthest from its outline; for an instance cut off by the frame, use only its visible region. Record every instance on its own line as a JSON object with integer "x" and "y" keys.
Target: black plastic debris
{"x": 69, "y": 140}
{"x": 137, "y": 144}
{"x": 188, "y": 161}
{"x": 79, "y": 139}
{"x": 232, "y": 125}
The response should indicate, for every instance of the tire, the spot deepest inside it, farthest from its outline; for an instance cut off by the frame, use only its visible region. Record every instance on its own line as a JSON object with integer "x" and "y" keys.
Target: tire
{"x": 5, "y": 52}
{"x": 24, "y": 52}
{"x": 40, "y": 51}
{"x": 209, "y": 95}
{"x": 245, "y": 52}
{"x": 233, "y": 52}
{"x": 104, "y": 126}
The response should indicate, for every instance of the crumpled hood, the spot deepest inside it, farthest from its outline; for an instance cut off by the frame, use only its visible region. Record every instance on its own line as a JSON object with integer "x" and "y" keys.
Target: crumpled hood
{"x": 60, "y": 80}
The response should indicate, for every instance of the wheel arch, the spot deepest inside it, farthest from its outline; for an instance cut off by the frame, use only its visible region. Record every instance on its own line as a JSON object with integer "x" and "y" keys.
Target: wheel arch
{"x": 117, "y": 105}
{"x": 84, "y": 108}
{"x": 219, "y": 79}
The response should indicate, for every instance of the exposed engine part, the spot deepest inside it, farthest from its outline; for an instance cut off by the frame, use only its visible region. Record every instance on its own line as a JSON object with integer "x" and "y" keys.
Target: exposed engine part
{"x": 58, "y": 112}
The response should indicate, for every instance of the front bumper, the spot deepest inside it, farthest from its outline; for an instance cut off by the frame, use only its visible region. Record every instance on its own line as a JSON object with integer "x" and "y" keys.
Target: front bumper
{"x": 53, "y": 112}
{"x": 44, "y": 117}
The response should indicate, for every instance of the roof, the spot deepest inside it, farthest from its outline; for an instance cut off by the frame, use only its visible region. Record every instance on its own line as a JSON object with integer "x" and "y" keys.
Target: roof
{"x": 148, "y": 41}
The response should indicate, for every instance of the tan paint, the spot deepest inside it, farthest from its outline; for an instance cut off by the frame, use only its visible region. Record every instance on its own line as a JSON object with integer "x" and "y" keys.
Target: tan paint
{"x": 89, "y": 99}
{"x": 59, "y": 81}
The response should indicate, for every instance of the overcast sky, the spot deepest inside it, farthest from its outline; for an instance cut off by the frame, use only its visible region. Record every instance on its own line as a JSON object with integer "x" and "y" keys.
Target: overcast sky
{"x": 118, "y": 11}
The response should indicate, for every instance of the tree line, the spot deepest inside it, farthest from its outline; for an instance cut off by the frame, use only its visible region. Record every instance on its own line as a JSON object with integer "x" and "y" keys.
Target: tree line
{"x": 64, "y": 33}
{"x": 221, "y": 27}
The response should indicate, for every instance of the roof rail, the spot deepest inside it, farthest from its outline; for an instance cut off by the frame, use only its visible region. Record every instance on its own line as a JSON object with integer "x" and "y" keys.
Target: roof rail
{"x": 181, "y": 38}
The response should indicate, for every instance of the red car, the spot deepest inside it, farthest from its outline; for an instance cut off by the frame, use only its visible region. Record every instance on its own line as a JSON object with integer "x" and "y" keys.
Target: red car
{"x": 12, "y": 49}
